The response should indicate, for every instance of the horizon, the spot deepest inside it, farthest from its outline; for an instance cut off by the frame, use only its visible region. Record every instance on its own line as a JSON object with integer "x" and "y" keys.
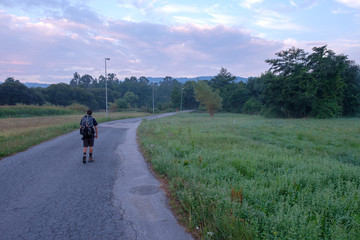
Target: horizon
{"x": 149, "y": 78}
{"x": 46, "y": 42}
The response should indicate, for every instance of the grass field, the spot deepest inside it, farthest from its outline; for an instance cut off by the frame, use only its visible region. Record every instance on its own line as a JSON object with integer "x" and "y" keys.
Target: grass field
{"x": 247, "y": 177}
{"x": 18, "y": 134}
{"x": 32, "y": 111}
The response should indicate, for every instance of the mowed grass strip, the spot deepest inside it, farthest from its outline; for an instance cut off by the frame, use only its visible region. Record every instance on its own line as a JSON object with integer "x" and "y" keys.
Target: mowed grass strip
{"x": 247, "y": 177}
{"x": 18, "y": 134}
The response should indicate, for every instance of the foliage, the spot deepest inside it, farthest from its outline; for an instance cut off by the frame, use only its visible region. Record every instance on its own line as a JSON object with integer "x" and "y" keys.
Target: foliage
{"x": 320, "y": 84}
{"x": 246, "y": 177}
{"x": 207, "y": 97}
{"x": 130, "y": 98}
{"x": 13, "y": 92}
{"x": 234, "y": 95}
{"x": 121, "y": 104}
{"x": 252, "y": 106}
{"x": 78, "y": 108}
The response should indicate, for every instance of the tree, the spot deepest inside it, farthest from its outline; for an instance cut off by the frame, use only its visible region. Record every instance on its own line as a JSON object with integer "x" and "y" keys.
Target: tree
{"x": 207, "y": 97}
{"x": 175, "y": 97}
{"x": 189, "y": 101}
{"x": 327, "y": 70}
{"x": 290, "y": 91}
{"x": 130, "y": 98}
{"x": 13, "y": 91}
{"x": 60, "y": 94}
{"x": 86, "y": 80}
{"x": 235, "y": 97}
{"x": 223, "y": 79}
{"x": 75, "y": 80}
{"x": 351, "y": 100}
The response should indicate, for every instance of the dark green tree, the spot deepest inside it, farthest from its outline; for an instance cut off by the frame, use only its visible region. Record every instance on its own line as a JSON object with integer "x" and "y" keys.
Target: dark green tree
{"x": 131, "y": 99}
{"x": 175, "y": 97}
{"x": 351, "y": 100}
{"x": 75, "y": 80}
{"x": 85, "y": 81}
{"x": 13, "y": 91}
{"x": 60, "y": 94}
{"x": 327, "y": 70}
{"x": 291, "y": 91}
{"x": 189, "y": 101}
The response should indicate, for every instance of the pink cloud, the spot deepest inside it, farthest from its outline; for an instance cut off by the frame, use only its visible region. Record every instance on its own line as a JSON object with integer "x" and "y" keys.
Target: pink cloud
{"x": 59, "y": 47}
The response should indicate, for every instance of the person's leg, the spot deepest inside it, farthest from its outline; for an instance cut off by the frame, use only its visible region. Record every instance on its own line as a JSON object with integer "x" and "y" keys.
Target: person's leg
{"x": 85, "y": 144}
{"x": 91, "y": 144}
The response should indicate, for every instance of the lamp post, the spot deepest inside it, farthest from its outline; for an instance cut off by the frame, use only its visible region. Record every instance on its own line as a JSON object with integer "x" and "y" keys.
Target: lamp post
{"x": 106, "y": 95}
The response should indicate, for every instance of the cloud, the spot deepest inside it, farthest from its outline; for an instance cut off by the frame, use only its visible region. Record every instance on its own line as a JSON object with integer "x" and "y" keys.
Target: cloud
{"x": 273, "y": 20}
{"x": 350, "y": 3}
{"x": 249, "y": 3}
{"x": 176, "y": 8}
{"x": 14, "y": 62}
{"x": 59, "y": 47}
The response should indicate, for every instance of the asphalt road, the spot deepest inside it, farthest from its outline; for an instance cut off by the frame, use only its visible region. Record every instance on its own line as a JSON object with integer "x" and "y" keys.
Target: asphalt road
{"x": 47, "y": 192}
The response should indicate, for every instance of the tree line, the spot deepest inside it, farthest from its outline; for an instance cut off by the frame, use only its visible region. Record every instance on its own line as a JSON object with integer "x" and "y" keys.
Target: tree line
{"x": 298, "y": 84}
{"x": 131, "y": 93}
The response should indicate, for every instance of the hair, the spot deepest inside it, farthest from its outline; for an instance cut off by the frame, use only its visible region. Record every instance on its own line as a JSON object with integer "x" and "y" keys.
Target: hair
{"x": 89, "y": 112}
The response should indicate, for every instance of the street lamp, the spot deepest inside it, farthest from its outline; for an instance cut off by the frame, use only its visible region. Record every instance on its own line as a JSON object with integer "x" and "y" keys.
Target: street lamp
{"x": 106, "y": 97}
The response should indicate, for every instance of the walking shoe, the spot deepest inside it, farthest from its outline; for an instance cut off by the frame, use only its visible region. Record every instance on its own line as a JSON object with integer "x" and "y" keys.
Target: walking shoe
{"x": 91, "y": 159}
{"x": 84, "y": 159}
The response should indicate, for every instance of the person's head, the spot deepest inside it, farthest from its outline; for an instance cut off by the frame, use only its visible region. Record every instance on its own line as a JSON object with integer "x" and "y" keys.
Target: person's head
{"x": 89, "y": 112}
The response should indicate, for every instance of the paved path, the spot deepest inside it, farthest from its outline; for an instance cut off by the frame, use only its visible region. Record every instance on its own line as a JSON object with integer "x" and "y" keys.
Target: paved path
{"x": 47, "y": 192}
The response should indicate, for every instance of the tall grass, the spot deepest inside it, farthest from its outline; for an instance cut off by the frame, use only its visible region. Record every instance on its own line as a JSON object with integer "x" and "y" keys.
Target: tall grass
{"x": 32, "y": 111}
{"x": 246, "y": 177}
{"x": 18, "y": 134}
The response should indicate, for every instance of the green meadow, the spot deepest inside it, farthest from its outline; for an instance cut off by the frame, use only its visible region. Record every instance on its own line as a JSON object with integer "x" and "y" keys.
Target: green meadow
{"x": 248, "y": 177}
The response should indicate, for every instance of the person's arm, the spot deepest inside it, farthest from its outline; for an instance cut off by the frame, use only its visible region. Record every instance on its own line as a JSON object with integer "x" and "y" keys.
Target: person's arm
{"x": 96, "y": 132}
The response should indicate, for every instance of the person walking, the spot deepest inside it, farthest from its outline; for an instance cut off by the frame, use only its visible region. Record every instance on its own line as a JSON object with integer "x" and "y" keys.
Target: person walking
{"x": 89, "y": 131}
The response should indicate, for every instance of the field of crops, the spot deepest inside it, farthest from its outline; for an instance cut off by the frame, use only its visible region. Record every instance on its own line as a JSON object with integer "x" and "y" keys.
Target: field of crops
{"x": 247, "y": 177}
{"x": 32, "y": 111}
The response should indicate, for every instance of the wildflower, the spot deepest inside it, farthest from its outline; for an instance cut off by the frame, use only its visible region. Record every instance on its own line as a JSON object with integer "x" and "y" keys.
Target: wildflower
{"x": 210, "y": 233}
{"x": 197, "y": 227}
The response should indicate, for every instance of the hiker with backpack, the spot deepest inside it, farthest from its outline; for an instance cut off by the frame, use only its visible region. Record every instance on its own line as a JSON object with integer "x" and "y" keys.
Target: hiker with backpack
{"x": 89, "y": 131}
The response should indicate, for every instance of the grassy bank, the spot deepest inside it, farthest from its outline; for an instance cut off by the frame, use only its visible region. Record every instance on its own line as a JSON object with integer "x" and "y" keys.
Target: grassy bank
{"x": 246, "y": 177}
{"x": 18, "y": 134}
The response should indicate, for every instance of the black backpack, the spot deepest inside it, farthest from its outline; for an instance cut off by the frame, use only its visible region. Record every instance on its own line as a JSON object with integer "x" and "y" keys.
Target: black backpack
{"x": 87, "y": 126}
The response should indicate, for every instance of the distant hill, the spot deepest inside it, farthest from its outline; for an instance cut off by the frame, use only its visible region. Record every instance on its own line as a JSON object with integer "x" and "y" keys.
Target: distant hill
{"x": 185, "y": 79}
{"x": 34, "y": 85}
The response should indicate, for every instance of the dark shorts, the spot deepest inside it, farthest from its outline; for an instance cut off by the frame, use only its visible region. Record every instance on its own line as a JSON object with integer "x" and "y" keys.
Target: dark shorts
{"x": 88, "y": 142}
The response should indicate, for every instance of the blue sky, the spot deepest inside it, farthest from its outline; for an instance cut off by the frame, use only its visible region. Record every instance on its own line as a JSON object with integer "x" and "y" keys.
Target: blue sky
{"x": 48, "y": 40}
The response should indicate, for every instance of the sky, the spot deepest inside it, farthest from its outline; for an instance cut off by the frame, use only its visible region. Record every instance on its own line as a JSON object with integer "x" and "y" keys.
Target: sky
{"x": 47, "y": 41}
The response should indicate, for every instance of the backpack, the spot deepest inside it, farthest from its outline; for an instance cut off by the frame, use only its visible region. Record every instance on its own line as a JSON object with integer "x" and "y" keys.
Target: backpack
{"x": 87, "y": 126}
